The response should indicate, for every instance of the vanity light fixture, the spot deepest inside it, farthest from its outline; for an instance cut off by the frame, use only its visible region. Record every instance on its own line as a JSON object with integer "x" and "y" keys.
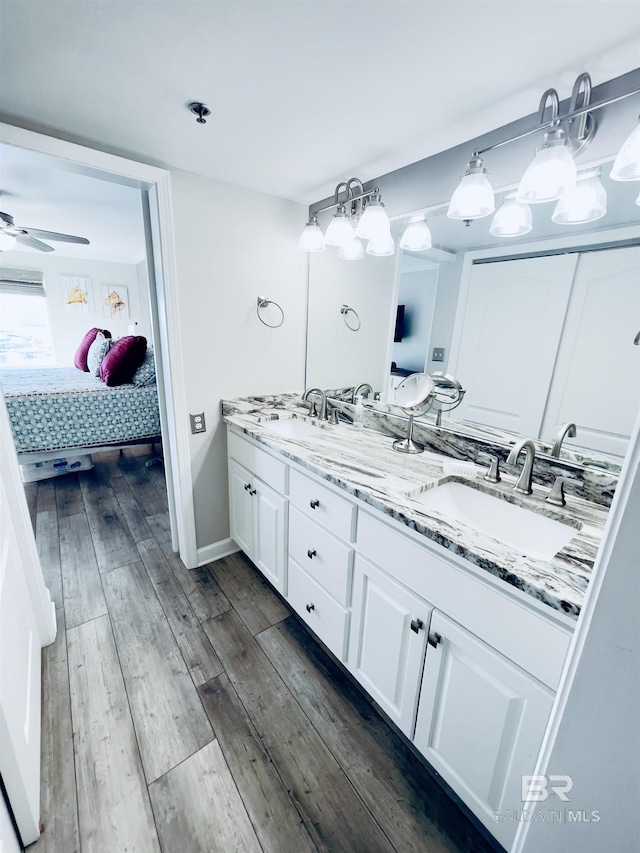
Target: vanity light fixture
{"x": 352, "y": 250}
{"x": 312, "y": 238}
{"x": 416, "y": 237}
{"x": 381, "y": 246}
{"x": 626, "y": 166}
{"x": 553, "y": 170}
{"x": 360, "y": 213}
{"x": 374, "y": 223}
{"x": 513, "y": 219}
{"x": 340, "y": 230}
{"x": 585, "y": 202}
{"x": 473, "y": 197}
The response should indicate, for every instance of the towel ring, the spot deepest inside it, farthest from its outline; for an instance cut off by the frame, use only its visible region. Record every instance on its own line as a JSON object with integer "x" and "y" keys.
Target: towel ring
{"x": 345, "y": 310}
{"x": 263, "y": 303}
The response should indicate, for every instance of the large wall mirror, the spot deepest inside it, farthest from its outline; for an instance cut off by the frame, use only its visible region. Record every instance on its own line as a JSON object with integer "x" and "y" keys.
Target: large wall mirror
{"x": 539, "y": 329}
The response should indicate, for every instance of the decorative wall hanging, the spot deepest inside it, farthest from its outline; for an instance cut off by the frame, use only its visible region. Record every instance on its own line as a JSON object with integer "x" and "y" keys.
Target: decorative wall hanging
{"x": 115, "y": 301}
{"x": 76, "y": 291}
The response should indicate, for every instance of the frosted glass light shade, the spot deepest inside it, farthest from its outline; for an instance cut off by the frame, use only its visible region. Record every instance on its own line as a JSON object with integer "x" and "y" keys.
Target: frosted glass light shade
{"x": 416, "y": 237}
{"x": 473, "y": 197}
{"x": 586, "y": 202}
{"x": 512, "y": 220}
{"x": 7, "y": 242}
{"x": 339, "y": 230}
{"x": 551, "y": 173}
{"x": 374, "y": 221}
{"x": 381, "y": 246}
{"x": 351, "y": 250}
{"x": 626, "y": 166}
{"x": 312, "y": 238}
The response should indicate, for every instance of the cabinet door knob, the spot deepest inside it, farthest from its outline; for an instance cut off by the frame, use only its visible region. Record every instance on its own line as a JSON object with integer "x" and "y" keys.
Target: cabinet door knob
{"x": 310, "y": 607}
{"x": 416, "y": 625}
{"x": 313, "y": 504}
{"x": 311, "y": 553}
{"x": 252, "y": 491}
{"x": 247, "y": 486}
{"x": 434, "y": 639}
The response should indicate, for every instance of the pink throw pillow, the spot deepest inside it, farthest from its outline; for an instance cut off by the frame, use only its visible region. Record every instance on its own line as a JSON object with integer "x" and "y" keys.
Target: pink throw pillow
{"x": 80, "y": 358}
{"x": 123, "y": 359}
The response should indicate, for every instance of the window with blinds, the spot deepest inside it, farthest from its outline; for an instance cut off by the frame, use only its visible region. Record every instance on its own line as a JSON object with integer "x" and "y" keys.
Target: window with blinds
{"x": 25, "y": 333}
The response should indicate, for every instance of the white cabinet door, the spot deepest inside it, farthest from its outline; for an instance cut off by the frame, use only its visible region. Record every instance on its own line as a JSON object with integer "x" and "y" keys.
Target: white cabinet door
{"x": 511, "y": 327}
{"x": 270, "y": 533}
{"x": 241, "y": 507}
{"x": 387, "y": 642}
{"x": 596, "y": 383}
{"x": 480, "y": 723}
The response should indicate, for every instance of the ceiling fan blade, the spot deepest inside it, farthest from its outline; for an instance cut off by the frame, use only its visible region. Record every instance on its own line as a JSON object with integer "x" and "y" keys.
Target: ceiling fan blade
{"x": 53, "y": 235}
{"x": 26, "y": 240}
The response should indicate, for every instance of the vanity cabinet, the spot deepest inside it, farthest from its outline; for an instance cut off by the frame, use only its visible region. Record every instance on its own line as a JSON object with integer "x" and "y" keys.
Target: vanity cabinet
{"x": 464, "y": 665}
{"x": 388, "y": 642}
{"x": 480, "y": 722}
{"x": 321, "y": 527}
{"x": 258, "y": 521}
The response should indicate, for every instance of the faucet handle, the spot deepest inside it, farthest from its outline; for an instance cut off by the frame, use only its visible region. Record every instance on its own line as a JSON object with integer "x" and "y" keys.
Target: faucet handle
{"x": 333, "y": 415}
{"x": 493, "y": 472}
{"x": 556, "y": 495}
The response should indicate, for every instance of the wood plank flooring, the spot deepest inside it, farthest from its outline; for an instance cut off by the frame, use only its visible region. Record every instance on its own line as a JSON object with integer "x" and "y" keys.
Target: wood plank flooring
{"x": 190, "y": 711}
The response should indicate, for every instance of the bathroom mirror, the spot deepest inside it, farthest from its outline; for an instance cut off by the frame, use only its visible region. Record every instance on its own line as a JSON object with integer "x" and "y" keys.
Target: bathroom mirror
{"x": 427, "y": 287}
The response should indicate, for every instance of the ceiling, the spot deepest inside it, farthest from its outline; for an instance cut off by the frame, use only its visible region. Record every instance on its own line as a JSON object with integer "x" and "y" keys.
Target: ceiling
{"x": 303, "y": 93}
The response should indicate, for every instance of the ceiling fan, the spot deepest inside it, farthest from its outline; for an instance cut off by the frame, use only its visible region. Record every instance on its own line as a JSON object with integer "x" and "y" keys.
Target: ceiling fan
{"x": 28, "y": 236}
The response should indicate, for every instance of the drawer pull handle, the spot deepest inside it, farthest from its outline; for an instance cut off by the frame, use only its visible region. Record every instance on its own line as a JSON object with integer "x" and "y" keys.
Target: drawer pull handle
{"x": 416, "y": 625}
{"x": 434, "y": 639}
{"x": 247, "y": 486}
{"x": 314, "y": 503}
{"x": 252, "y": 491}
{"x": 311, "y": 554}
{"x": 310, "y": 607}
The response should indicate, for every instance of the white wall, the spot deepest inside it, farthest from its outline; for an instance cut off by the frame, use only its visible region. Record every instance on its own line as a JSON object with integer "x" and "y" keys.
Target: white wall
{"x": 68, "y": 327}
{"x": 233, "y": 245}
{"x": 337, "y": 356}
{"x": 444, "y": 314}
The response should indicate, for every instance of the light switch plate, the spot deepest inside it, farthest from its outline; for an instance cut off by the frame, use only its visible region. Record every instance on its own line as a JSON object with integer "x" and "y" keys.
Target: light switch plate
{"x": 438, "y": 354}
{"x": 198, "y": 423}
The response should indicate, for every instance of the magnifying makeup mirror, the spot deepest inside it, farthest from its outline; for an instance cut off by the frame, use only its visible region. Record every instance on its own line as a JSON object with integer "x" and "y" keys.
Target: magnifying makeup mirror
{"x": 414, "y": 394}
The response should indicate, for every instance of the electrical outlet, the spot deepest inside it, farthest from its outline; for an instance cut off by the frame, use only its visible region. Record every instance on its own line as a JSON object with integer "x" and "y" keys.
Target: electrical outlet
{"x": 197, "y": 423}
{"x": 438, "y": 354}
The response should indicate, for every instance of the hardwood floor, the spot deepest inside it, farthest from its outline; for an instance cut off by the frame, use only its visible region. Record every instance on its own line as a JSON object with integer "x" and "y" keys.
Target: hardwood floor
{"x": 190, "y": 712}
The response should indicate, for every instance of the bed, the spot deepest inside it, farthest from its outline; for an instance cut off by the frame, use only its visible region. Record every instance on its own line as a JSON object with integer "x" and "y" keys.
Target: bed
{"x": 60, "y": 409}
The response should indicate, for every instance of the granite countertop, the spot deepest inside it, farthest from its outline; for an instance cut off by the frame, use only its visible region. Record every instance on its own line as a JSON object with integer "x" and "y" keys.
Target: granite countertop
{"x": 365, "y": 465}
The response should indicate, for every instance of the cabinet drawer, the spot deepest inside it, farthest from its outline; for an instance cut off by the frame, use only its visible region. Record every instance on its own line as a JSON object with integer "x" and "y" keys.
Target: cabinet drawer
{"x": 535, "y": 643}
{"x": 325, "y": 558}
{"x": 322, "y": 505}
{"x": 271, "y": 471}
{"x": 323, "y": 614}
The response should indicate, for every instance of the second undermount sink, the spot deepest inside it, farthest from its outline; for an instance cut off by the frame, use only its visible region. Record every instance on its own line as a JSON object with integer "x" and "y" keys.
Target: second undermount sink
{"x": 292, "y": 427}
{"x": 528, "y": 532}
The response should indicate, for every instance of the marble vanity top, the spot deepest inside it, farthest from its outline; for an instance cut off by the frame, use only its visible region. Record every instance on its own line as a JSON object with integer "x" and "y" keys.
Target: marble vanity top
{"x": 365, "y": 465}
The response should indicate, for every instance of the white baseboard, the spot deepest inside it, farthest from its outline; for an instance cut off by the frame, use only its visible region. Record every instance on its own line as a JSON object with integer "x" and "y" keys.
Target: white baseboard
{"x": 216, "y": 551}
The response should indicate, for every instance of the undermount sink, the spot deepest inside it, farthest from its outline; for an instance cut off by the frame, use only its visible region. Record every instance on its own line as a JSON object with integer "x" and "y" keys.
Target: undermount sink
{"x": 529, "y": 533}
{"x": 292, "y": 427}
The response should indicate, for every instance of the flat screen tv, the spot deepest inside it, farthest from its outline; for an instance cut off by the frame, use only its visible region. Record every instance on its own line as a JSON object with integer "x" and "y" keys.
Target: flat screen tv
{"x": 399, "y": 332}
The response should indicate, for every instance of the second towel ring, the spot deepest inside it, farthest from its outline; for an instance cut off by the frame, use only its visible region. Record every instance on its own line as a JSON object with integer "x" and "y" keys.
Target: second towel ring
{"x": 264, "y": 303}
{"x": 355, "y": 323}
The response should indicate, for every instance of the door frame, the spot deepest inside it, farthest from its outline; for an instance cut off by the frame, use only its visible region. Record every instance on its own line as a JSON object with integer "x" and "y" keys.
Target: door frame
{"x": 155, "y": 184}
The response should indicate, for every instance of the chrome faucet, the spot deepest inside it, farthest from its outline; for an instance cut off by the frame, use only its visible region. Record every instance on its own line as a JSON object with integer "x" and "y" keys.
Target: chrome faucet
{"x": 565, "y": 429}
{"x": 361, "y": 389}
{"x": 322, "y": 414}
{"x": 523, "y": 485}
